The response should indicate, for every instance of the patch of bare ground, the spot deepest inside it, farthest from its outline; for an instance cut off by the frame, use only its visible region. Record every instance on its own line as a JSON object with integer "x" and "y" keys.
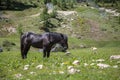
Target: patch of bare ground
{"x": 95, "y": 31}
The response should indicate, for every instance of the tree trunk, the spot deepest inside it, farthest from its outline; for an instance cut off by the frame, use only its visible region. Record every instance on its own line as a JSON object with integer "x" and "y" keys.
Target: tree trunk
{"x": 8, "y": 4}
{"x": 0, "y": 2}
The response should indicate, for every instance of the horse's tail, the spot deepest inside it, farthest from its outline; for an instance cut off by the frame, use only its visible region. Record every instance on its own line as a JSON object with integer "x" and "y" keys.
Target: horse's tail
{"x": 22, "y": 44}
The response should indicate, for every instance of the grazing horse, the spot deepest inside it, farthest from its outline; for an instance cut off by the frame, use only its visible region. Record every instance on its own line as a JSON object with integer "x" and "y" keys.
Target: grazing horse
{"x": 44, "y": 41}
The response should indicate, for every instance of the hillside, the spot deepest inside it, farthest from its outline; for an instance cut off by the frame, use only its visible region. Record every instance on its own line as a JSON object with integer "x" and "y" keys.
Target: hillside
{"x": 84, "y": 22}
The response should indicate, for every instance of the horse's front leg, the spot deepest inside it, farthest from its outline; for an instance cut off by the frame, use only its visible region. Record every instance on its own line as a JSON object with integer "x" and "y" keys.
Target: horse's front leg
{"x": 44, "y": 52}
{"x": 48, "y": 53}
{"x": 48, "y": 50}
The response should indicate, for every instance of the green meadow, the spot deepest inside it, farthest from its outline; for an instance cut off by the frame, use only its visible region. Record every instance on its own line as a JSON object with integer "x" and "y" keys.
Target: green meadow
{"x": 87, "y": 28}
{"x": 12, "y": 66}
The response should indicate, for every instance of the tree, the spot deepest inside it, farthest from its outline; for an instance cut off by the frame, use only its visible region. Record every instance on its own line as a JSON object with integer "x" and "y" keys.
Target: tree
{"x": 8, "y": 4}
{"x": 54, "y": 2}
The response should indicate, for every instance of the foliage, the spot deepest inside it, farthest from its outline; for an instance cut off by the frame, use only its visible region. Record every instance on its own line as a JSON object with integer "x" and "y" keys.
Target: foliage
{"x": 47, "y": 18}
{"x": 8, "y": 45}
{"x": 113, "y": 3}
{"x": 20, "y": 29}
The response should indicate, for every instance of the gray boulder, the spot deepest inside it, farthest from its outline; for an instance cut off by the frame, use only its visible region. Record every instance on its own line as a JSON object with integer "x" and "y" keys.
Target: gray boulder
{"x": 1, "y": 50}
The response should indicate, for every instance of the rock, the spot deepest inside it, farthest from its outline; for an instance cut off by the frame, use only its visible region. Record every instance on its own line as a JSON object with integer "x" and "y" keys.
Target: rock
{"x": 67, "y": 53}
{"x": 82, "y": 46}
{"x": 57, "y": 48}
{"x": 72, "y": 70}
{"x": 61, "y": 72}
{"x": 70, "y": 67}
{"x": 94, "y": 48}
{"x": 85, "y": 64}
{"x": 100, "y": 60}
{"x": 26, "y": 67}
{"x": 39, "y": 67}
{"x": 18, "y": 75}
{"x": 115, "y": 66}
{"x": 32, "y": 72}
{"x": 1, "y": 50}
{"x": 115, "y": 57}
{"x": 102, "y": 66}
{"x": 92, "y": 64}
{"x": 76, "y": 62}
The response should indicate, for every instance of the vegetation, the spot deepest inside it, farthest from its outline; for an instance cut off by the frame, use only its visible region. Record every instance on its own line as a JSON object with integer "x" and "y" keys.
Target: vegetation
{"x": 86, "y": 26}
{"x": 109, "y": 3}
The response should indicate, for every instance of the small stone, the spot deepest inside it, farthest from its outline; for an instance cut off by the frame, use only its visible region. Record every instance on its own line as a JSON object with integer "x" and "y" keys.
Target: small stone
{"x": 92, "y": 64}
{"x": 85, "y": 64}
{"x": 32, "y": 72}
{"x": 71, "y": 71}
{"x": 18, "y": 75}
{"x": 39, "y": 67}
{"x": 67, "y": 53}
{"x": 61, "y": 72}
{"x": 70, "y": 67}
{"x": 76, "y": 62}
{"x": 100, "y": 60}
{"x": 115, "y": 66}
{"x": 26, "y": 67}
{"x": 102, "y": 66}
{"x": 115, "y": 57}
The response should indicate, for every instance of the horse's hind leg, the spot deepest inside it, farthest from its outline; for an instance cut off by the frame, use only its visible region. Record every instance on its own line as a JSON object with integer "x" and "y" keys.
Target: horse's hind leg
{"x": 24, "y": 51}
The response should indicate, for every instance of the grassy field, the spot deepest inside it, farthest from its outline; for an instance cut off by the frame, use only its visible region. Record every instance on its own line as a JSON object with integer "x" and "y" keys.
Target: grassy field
{"x": 12, "y": 66}
{"x": 88, "y": 28}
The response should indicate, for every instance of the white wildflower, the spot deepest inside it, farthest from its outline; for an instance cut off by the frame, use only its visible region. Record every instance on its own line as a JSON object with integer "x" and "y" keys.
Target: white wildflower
{"x": 102, "y": 66}
{"x": 39, "y": 67}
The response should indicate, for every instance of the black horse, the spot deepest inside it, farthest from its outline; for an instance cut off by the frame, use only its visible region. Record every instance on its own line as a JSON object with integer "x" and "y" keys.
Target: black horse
{"x": 44, "y": 41}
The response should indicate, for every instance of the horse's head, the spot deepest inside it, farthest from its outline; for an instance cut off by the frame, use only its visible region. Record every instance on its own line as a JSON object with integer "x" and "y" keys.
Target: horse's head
{"x": 64, "y": 42}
